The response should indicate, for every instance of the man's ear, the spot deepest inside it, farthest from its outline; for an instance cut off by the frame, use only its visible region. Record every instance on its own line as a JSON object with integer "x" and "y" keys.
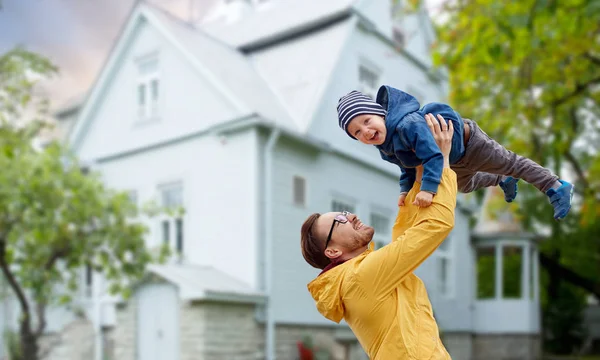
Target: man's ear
{"x": 333, "y": 253}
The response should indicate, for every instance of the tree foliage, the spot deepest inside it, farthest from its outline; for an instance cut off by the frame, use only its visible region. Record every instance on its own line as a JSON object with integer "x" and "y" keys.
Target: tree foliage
{"x": 54, "y": 218}
{"x": 529, "y": 73}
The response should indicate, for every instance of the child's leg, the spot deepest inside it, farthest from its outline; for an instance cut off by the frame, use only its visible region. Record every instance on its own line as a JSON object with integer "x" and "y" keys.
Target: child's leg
{"x": 483, "y": 154}
{"x": 469, "y": 181}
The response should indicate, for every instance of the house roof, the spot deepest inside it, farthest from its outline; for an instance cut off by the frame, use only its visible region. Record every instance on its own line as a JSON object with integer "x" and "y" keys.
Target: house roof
{"x": 224, "y": 67}
{"x": 277, "y": 19}
{"x": 227, "y": 65}
{"x": 197, "y": 283}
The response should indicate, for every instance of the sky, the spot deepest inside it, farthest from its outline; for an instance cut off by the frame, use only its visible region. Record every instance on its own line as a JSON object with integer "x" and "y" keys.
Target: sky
{"x": 77, "y": 35}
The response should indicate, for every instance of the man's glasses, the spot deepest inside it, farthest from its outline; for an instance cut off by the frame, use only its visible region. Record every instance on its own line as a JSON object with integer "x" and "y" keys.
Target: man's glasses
{"x": 342, "y": 219}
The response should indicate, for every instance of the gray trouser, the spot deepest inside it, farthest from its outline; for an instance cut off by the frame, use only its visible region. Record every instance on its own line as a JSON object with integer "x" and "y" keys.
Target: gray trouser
{"x": 486, "y": 163}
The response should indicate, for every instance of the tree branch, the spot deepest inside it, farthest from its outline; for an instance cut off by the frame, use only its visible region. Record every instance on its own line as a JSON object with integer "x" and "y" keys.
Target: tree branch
{"x": 592, "y": 58}
{"x": 577, "y": 167}
{"x": 571, "y": 276}
{"x": 14, "y": 284}
{"x": 578, "y": 90}
{"x": 41, "y": 305}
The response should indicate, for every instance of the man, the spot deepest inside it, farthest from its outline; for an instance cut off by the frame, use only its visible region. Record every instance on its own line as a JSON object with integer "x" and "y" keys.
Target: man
{"x": 376, "y": 292}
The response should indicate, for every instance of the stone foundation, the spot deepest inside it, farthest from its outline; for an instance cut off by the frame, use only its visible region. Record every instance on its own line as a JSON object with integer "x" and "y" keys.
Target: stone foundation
{"x": 506, "y": 347}
{"x": 459, "y": 345}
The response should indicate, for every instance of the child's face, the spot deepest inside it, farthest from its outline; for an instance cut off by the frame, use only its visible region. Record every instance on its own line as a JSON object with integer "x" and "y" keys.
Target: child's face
{"x": 368, "y": 129}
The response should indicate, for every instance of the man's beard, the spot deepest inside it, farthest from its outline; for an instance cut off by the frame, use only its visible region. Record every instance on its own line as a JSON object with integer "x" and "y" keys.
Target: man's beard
{"x": 362, "y": 238}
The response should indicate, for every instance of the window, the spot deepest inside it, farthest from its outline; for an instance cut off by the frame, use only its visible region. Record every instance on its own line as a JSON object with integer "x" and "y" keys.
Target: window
{"x": 341, "y": 205}
{"x": 148, "y": 90}
{"x": 398, "y": 37}
{"x": 512, "y": 258}
{"x": 172, "y": 224}
{"x": 444, "y": 263}
{"x": 368, "y": 80}
{"x": 88, "y": 281}
{"x": 382, "y": 226}
{"x": 486, "y": 272}
{"x": 299, "y": 191}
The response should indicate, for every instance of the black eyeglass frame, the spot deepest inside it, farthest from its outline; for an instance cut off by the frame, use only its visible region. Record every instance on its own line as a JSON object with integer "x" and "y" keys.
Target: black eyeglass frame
{"x": 343, "y": 220}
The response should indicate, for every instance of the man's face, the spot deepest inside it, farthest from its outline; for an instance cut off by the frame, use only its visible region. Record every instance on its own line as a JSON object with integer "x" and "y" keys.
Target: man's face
{"x": 349, "y": 236}
{"x": 368, "y": 129}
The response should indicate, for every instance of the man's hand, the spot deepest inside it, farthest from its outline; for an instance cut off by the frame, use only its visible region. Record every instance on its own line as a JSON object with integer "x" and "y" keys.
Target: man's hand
{"x": 442, "y": 135}
{"x": 423, "y": 199}
{"x": 401, "y": 199}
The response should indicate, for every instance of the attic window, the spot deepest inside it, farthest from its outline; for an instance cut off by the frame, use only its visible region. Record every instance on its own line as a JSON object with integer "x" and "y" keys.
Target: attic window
{"x": 368, "y": 79}
{"x": 148, "y": 88}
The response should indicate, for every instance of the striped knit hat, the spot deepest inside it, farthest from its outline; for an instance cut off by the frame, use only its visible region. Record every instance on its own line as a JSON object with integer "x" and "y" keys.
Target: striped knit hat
{"x": 356, "y": 103}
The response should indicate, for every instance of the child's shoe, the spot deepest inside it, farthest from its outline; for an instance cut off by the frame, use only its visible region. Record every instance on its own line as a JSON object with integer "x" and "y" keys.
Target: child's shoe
{"x": 561, "y": 199}
{"x": 509, "y": 186}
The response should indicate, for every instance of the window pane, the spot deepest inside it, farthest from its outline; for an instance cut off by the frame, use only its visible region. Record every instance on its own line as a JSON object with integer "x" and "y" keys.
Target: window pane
{"x": 512, "y": 257}
{"x": 532, "y": 266}
{"x": 179, "y": 234}
{"x": 486, "y": 272}
{"x": 380, "y": 223}
{"x": 172, "y": 196}
{"x": 148, "y": 66}
{"x": 141, "y": 94}
{"x": 299, "y": 190}
{"x": 443, "y": 264}
{"x": 367, "y": 77}
{"x": 339, "y": 206}
{"x": 154, "y": 89}
{"x": 165, "y": 231}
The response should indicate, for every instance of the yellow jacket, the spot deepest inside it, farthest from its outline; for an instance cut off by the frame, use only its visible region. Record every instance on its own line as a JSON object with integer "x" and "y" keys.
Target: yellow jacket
{"x": 385, "y": 304}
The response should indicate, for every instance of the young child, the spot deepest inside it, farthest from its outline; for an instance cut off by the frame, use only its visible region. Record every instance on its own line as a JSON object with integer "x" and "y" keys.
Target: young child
{"x": 395, "y": 124}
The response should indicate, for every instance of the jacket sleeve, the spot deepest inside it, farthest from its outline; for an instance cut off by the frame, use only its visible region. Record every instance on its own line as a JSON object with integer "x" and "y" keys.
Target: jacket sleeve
{"x": 417, "y": 136}
{"x": 383, "y": 270}
{"x": 407, "y": 176}
{"x": 407, "y": 179}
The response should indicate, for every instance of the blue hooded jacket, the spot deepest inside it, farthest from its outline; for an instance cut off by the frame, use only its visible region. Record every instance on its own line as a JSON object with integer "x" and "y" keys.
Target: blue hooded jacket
{"x": 409, "y": 142}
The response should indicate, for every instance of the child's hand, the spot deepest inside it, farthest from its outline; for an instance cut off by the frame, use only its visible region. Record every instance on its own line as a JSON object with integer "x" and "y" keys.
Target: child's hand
{"x": 401, "y": 199}
{"x": 423, "y": 199}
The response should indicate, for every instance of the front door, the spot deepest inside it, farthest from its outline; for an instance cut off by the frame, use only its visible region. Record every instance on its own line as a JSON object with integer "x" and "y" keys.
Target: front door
{"x": 157, "y": 322}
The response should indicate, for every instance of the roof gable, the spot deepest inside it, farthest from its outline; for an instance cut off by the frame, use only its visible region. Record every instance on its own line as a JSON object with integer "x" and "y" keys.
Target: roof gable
{"x": 223, "y": 67}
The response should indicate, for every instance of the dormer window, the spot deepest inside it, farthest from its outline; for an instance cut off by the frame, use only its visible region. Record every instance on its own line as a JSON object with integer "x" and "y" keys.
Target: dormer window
{"x": 148, "y": 88}
{"x": 368, "y": 80}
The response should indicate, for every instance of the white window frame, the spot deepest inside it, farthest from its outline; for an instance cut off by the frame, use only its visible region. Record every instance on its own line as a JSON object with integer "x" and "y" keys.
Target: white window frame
{"x": 447, "y": 289}
{"x": 172, "y": 221}
{"x": 365, "y": 88}
{"x": 150, "y": 110}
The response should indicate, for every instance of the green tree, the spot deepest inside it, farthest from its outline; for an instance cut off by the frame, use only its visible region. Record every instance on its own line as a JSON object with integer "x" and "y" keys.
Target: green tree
{"x": 529, "y": 73}
{"x": 54, "y": 219}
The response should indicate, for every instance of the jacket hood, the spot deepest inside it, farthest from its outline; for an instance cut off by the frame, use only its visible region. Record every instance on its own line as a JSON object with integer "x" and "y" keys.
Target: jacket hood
{"x": 398, "y": 104}
{"x": 326, "y": 290}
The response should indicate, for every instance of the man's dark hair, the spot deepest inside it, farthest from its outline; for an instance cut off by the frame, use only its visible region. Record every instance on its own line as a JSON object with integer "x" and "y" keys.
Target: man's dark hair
{"x": 312, "y": 248}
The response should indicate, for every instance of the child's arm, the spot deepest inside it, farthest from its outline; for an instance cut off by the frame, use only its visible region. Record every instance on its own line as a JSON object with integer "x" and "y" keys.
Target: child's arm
{"x": 407, "y": 179}
{"x": 416, "y": 135}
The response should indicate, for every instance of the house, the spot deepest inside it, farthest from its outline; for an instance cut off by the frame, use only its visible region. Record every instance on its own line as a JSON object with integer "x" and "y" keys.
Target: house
{"x": 234, "y": 119}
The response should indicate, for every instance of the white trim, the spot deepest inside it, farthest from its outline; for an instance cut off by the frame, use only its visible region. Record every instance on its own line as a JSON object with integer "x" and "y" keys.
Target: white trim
{"x": 140, "y": 14}
{"x": 447, "y": 254}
